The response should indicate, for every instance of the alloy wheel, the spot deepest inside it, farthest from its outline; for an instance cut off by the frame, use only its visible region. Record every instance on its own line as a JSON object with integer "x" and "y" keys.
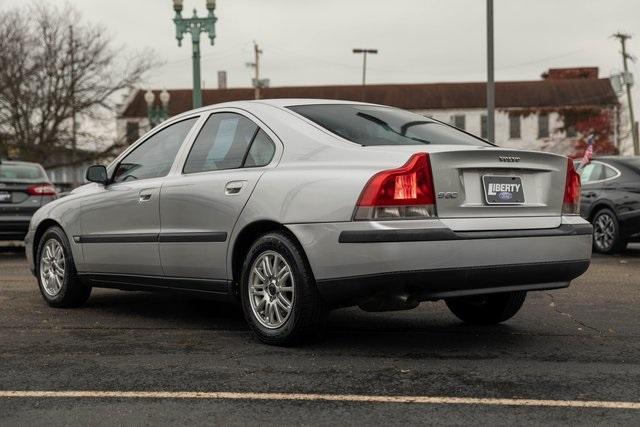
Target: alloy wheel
{"x": 52, "y": 267}
{"x": 271, "y": 289}
{"x": 604, "y": 232}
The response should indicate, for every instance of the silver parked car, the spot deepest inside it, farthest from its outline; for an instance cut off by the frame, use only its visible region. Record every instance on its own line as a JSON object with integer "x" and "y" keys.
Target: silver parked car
{"x": 294, "y": 207}
{"x": 24, "y": 188}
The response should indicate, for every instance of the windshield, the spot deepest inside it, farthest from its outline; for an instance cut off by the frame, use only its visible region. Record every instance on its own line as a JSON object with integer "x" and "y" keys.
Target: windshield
{"x": 15, "y": 172}
{"x": 375, "y": 125}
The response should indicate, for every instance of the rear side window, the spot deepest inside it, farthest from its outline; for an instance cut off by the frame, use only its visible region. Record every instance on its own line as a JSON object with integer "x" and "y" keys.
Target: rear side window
{"x": 591, "y": 172}
{"x": 374, "y": 125}
{"x": 221, "y": 144}
{"x": 261, "y": 152}
{"x": 21, "y": 172}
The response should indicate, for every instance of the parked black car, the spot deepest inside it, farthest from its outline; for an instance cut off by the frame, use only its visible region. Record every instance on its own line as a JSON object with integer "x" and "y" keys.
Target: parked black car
{"x": 611, "y": 201}
{"x": 24, "y": 187}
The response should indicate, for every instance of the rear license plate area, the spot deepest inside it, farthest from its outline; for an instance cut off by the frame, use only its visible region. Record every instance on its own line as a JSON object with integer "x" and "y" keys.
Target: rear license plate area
{"x": 503, "y": 190}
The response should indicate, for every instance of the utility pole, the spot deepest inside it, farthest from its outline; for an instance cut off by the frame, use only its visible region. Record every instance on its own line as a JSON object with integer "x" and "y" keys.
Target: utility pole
{"x": 491, "y": 84}
{"x": 257, "y": 82}
{"x": 256, "y": 65}
{"x": 74, "y": 142}
{"x": 628, "y": 83}
{"x": 364, "y": 53}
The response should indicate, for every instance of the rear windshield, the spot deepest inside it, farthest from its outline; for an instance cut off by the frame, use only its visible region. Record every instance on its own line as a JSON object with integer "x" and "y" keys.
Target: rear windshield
{"x": 375, "y": 125}
{"x": 21, "y": 173}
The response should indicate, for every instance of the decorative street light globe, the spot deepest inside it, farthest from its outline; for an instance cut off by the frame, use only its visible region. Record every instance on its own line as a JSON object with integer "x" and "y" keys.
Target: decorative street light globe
{"x": 157, "y": 113}
{"x": 164, "y": 98}
{"x": 177, "y": 5}
{"x": 149, "y": 97}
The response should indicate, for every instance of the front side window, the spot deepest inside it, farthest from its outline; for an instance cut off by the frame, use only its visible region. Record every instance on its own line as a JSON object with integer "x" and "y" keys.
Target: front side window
{"x": 154, "y": 157}
{"x": 221, "y": 144}
{"x": 375, "y": 125}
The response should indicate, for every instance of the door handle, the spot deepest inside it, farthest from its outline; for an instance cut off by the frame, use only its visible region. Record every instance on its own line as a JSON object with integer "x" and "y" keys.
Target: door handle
{"x": 233, "y": 187}
{"x": 144, "y": 196}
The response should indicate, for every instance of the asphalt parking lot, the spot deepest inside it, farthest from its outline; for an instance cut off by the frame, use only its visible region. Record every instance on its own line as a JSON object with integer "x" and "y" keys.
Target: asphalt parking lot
{"x": 565, "y": 347}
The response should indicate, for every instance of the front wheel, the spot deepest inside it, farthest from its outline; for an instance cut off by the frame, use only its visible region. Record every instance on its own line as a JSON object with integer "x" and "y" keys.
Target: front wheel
{"x": 487, "y": 309}
{"x": 56, "y": 272}
{"x": 278, "y": 292}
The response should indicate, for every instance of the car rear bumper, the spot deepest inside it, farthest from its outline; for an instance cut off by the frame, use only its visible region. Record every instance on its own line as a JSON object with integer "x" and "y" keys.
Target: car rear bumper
{"x": 428, "y": 260}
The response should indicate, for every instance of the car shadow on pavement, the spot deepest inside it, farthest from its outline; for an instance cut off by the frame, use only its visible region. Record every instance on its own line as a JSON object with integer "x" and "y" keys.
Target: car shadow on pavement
{"x": 165, "y": 310}
{"x": 12, "y": 251}
{"x": 353, "y": 330}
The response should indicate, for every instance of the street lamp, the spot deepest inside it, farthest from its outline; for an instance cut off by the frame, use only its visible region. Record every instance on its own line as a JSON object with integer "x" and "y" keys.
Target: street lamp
{"x": 157, "y": 113}
{"x": 364, "y": 53}
{"x": 195, "y": 26}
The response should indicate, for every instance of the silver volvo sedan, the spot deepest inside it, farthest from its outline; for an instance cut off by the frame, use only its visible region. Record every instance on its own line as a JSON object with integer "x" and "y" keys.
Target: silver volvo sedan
{"x": 294, "y": 207}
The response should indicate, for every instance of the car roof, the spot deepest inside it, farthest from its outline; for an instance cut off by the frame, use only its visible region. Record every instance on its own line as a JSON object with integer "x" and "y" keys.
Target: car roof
{"x": 285, "y": 102}
{"x": 276, "y": 102}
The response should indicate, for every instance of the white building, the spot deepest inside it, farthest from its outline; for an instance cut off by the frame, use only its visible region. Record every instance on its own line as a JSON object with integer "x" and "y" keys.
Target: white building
{"x": 555, "y": 113}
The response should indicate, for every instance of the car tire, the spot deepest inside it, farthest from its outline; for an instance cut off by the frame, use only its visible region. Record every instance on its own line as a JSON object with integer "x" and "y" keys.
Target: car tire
{"x": 282, "y": 304}
{"x": 56, "y": 271}
{"x": 487, "y": 309}
{"x": 607, "y": 238}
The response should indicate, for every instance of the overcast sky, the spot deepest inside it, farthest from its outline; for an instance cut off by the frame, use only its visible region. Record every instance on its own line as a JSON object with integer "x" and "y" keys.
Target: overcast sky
{"x": 309, "y": 42}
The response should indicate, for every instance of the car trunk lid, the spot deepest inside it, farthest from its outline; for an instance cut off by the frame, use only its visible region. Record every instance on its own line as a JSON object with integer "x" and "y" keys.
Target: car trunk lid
{"x": 498, "y": 183}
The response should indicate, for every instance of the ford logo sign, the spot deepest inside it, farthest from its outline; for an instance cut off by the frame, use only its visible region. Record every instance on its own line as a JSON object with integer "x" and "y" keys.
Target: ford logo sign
{"x": 505, "y": 195}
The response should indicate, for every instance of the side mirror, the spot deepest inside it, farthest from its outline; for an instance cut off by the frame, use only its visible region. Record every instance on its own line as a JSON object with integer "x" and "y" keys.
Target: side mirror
{"x": 97, "y": 173}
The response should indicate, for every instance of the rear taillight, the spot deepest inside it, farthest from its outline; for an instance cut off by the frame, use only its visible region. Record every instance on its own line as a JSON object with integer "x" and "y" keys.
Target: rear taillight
{"x": 42, "y": 190}
{"x": 571, "y": 201}
{"x": 403, "y": 193}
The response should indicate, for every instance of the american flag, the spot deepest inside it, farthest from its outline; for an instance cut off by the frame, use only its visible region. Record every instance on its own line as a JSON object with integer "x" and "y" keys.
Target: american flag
{"x": 588, "y": 153}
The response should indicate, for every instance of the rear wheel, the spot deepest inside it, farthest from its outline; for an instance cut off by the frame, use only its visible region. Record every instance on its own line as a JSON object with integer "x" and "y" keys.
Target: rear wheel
{"x": 56, "y": 272}
{"x": 487, "y": 309}
{"x": 606, "y": 233}
{"x": 278, "y": 292}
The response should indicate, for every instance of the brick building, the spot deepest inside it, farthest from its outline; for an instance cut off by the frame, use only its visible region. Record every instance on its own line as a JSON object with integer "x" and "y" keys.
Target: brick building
{"x": 555, "y": 113}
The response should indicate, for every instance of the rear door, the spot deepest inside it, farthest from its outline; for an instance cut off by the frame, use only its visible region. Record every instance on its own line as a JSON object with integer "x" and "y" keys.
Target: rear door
{"x": 200, "y": 206}
{"x": 121, "y": 222}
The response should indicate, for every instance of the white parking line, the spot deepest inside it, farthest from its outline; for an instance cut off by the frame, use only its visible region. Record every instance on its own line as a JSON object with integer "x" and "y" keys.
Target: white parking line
{"x": 320, "y": 397}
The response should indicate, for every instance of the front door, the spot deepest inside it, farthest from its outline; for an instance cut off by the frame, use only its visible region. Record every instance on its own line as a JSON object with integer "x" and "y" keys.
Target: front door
{"x": 120, "y": 224}
{"x": 199, "y": 208}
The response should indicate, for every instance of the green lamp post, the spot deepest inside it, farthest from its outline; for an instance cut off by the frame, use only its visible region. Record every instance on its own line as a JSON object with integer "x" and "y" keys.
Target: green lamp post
{"x": 195, "y": 26}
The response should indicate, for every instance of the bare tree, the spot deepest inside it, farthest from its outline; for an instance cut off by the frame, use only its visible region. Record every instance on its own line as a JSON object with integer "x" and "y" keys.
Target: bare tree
{"x": 53, "y": 64}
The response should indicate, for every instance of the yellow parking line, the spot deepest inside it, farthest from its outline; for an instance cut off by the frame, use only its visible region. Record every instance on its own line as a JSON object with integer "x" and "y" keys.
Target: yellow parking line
{"x": 321, "y": 397}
